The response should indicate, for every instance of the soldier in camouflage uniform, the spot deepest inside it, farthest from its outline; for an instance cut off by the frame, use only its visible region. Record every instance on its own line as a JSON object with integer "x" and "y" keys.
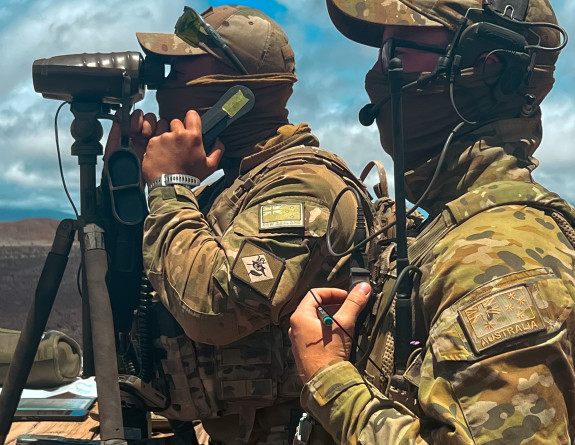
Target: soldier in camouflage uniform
{"x": 231, "y": 260}
{"x": 496, "y": 258}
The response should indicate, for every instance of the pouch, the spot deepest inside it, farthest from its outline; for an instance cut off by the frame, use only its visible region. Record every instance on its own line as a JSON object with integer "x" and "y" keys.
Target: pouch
{"x": 58, "y": 360}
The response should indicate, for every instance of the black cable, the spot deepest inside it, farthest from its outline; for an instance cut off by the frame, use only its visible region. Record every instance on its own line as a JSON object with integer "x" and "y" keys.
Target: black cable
{"x": 79, "y": 279}
{"x": 78, "y": 273}
{"x": 145, "y": 329}
{"x": 330, "y": 220}
{"x": 538, "y": 47}
{"x": 60, "y": 159}
{"x": 454, "y": 106}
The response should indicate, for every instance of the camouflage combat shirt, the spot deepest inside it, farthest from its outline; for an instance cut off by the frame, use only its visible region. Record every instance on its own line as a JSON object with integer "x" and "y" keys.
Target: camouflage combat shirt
{"x": 225, "y": 272}
{"x": 231, "y": 261}
{"x": 497, "y": 297}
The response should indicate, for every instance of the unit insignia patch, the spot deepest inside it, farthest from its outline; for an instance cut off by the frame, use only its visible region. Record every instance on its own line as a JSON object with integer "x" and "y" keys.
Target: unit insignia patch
{"x": 258, "y": 268}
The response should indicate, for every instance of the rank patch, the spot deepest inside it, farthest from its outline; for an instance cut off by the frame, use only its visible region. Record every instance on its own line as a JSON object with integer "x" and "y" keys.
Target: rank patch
{"x": 501, "y": 317}
{"x": 258, "y": 268}
{"x": 276, "y": 216}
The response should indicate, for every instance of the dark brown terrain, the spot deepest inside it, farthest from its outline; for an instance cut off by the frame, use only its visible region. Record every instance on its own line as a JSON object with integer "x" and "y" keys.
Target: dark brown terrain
{"x": 24, "y": 245}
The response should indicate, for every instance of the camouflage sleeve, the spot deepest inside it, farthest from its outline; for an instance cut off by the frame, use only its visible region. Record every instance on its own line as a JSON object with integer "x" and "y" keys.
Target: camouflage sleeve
{"x": 501, "y": 291}
{"x": 222, "y": 288}
{"x": 354, "y": 412}
{"x": 497, "y": 367}
{"x": 509, "y": 398}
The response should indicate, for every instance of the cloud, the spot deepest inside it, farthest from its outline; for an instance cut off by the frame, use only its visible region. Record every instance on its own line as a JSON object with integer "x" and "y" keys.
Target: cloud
{"x": 41, "y": 29}
{"x": 328, "y": 96}
{"x": 557, "y": 153}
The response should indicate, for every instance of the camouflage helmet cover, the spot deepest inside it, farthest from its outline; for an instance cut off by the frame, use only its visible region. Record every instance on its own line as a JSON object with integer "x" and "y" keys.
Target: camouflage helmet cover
{"x": 364, "y": 20}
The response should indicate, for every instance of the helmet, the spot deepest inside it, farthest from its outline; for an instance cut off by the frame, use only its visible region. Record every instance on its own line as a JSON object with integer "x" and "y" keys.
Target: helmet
{"x": 363, "y": 21}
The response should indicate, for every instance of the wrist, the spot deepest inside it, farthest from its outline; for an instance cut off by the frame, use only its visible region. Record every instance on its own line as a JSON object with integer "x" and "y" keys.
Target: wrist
{"x": 164, "y": 180}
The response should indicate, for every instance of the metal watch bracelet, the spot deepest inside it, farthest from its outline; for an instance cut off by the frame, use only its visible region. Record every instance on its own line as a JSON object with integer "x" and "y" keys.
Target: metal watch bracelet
{"x": 187, "y": 181}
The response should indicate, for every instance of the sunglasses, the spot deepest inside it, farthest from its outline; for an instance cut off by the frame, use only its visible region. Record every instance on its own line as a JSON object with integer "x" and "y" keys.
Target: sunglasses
{"x": 194, "y": 30}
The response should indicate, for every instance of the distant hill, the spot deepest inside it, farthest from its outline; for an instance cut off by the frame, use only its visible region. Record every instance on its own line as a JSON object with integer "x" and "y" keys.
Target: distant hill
{"x": 28, "y": 232}
{"x": 24, "y": 245}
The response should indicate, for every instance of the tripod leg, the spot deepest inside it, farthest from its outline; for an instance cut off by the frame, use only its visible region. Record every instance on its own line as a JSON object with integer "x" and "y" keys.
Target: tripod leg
{"x": 103, "y": 339}
{"x": 35, "y": 324}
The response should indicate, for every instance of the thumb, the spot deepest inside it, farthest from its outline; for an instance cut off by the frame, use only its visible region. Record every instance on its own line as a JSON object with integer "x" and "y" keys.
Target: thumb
{"x": 354, "y": 304}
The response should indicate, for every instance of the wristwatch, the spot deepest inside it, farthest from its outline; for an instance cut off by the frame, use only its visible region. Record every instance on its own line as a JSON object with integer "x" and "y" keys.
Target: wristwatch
{"x": 187, "y": 181}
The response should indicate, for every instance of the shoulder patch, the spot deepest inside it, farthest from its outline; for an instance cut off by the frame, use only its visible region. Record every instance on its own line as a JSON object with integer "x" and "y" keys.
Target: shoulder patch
{"x": 258, "y": 268}
{"x": 276, "y": 216}
{"x": 501, "y": 317}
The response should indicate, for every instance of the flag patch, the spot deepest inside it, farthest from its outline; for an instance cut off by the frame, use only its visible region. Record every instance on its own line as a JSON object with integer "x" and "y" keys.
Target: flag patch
{"x": 276, "y": 216}
{"x": 501, "y": 317}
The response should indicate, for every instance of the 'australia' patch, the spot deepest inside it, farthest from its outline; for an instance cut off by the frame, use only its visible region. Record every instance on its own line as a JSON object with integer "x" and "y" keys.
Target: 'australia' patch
{"x": 258, "y": 268}
{"x": 277, "y": 216}
{"x": 501, "y": 317}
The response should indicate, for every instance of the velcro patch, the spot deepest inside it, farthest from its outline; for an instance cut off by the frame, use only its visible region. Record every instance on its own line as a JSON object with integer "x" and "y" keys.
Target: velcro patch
{"x": 258, "y": 268}
{"x": 277, "y": 216}
{"x": 501, "y": 317}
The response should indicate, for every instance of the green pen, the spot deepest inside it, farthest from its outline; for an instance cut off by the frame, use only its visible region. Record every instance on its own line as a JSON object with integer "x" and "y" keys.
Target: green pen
{"x": 324, "y": 316}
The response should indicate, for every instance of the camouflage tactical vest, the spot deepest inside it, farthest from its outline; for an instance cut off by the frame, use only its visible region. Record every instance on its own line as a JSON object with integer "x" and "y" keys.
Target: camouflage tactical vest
{"x": 205, "y": 381}
{"x": 404, "y": 388}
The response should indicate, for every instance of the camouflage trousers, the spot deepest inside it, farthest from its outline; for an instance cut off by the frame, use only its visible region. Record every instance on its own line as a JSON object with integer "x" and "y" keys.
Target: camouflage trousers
{"x": 273, "y": 425}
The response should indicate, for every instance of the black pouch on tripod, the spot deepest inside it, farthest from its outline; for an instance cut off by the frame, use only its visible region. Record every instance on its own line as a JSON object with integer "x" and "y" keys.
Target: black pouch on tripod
{"x": 57, "y": 361}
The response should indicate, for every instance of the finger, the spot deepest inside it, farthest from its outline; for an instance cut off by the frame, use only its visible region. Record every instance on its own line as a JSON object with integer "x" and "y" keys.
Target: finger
{"x": 215, "y": 156}
{"x": 193, "y": 120}
{"x": 162, "y": 127}
{"x": 176, "y": 125}
{"x": 323, "y": 296}
{"x": 354, "y": 304}
{"x": 136, "y": 122}
{"x": 330, "y": 295}
{"x": 149, "y": 125}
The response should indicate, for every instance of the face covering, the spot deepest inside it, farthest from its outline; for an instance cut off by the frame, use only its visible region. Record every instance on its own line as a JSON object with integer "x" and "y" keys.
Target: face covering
{"x": 271, "y": 91}
{"x": 429, "y": 115}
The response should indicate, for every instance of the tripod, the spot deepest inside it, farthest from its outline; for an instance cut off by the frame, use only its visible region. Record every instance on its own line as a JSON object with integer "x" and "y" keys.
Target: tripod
{"x": 98, "y": 323}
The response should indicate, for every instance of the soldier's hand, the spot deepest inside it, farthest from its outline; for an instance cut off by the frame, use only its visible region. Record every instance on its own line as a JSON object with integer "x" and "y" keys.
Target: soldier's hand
{"x": 313, "y": 343}
{"x": 178, "y": 148}
{"x": 142, "y": 129}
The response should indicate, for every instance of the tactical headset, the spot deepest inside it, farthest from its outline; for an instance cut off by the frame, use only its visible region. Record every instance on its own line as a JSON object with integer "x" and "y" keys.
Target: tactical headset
{"x": 494, "y": 30}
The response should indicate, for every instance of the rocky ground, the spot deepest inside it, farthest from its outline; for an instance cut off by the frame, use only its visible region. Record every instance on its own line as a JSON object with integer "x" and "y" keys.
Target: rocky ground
{"x": 24, "y": 245}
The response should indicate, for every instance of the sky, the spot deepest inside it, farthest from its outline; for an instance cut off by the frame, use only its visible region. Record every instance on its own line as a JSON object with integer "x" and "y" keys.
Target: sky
{"x": 328, "y": 95}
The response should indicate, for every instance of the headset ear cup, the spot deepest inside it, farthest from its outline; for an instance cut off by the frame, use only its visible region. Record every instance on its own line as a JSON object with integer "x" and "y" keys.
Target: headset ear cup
{"x": 512, "y": 76}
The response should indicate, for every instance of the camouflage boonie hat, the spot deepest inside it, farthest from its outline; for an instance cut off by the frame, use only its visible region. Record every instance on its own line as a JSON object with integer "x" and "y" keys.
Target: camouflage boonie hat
{"x": 257, "y": 40}
{"x": 364, "y": 20}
